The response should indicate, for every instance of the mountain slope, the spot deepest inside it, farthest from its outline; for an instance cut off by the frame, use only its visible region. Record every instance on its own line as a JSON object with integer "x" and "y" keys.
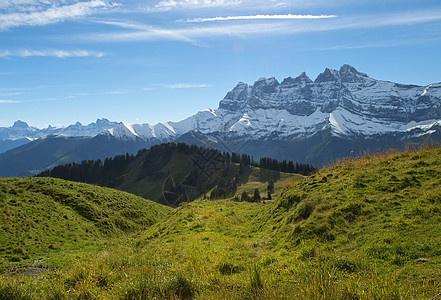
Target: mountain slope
{"x": 32, "y": 157}
{"x": 173, "y": 173}
{"x": 50, "y": 151}
{"x": 384, "y": 208}
{"x": 361, "y": 229}
{"x": 42, "y": 215}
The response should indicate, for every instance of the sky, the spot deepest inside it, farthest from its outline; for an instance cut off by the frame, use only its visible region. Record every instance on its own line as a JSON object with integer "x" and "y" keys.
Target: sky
{"x": 149, "y": 61}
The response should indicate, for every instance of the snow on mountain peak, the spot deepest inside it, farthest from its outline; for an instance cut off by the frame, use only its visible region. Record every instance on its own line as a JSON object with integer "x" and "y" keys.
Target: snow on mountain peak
{"x": 302, "y": 79}
{"x": 346, "y": 101}
{"x": 328, "y": 76}
{"x": 426, "y": 90}
{"x": 20, "y": 125}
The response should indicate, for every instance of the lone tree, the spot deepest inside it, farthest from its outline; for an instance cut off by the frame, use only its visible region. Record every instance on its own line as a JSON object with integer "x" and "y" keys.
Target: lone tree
{"x": 270, "y": 186}
{"x": 245, "y": 197}
{"x": 256, "y": 197}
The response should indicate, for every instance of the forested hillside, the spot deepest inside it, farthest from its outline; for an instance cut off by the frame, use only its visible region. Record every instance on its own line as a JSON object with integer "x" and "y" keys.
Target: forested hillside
{"x": 172, "y": 173}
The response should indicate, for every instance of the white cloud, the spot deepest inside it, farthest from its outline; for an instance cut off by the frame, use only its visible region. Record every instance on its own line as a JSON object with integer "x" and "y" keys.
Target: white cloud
{"x": 261, "y": 17}
{"x": 4, "y": 101}
{"x": 261, "y": 27}
{"x": 185, "y": 4}
{"x": 190, "y": 34}
{"x": 185, "y": 86}
{"x": 50, "y": 53}
{"x": 52, "y": 14}
{"x": 9, "y": 94}
{"x": 17, "y": 3}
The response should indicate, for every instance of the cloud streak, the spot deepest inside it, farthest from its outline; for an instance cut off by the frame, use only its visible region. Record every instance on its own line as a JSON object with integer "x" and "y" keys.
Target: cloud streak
{"x": 5, "y": 101}
{"x": 185, "y": 86}
{"x": 50, "y": 53}
{"x": 166, "y": 5}
{"x": 51, "y": 15}
{"x": 259, "y": 27}
{"x": 261, "y": 17}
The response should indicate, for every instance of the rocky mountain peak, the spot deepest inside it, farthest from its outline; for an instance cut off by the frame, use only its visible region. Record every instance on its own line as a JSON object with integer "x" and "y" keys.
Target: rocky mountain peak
{"x": 102, "y": 121}
{"x": 235, "y": 97}
{"x": 328, "y": 76}
{"x": 349, "y": 74}
{"x": 301, "y": 79}
{"x": 20, "y": 125}
{"x": 264, "y": 85}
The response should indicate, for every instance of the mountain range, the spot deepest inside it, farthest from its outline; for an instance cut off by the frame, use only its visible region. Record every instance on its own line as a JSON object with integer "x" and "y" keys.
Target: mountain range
{"x": 341, "y": 113}
{"x": 21, "y": 133}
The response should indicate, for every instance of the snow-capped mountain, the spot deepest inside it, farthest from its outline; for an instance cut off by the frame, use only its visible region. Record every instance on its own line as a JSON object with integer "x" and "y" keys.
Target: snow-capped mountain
{"x": 341, "y": 113}
{"x": 348, "y": 102}
{"x": 21, "y": 133}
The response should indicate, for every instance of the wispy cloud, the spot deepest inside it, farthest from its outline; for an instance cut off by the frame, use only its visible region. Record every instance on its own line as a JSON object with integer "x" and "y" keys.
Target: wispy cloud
{"x": 5, "y": 101}
{"x": 261, "y": 17}
{"x": 185, "y": 86}
{"x": 10, "y": 94}
{"x": 191, "y": 4}
{"x": 102, "y": 93}
{"x": 39, "y": 16}
{"x": 259, "y": 27}
{"x": 50, "y": 53}
{"x": 176, "y": 86}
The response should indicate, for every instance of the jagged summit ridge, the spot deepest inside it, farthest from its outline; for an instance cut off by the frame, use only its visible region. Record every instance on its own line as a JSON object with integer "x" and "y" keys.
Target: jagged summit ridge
{"x": 345, "y": 101}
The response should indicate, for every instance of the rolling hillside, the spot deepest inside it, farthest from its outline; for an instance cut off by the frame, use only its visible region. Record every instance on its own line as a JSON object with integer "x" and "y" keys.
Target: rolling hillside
{"x": 172, "y": 173}
{"x": 41, "y": 215}
{"x": 360, "y": 229}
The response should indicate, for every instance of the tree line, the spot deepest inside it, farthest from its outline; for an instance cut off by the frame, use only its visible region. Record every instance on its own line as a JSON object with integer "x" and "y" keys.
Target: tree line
{"x": 107, "y": 172}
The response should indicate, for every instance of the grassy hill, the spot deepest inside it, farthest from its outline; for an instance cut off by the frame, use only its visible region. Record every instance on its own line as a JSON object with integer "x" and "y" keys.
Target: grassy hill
{"x": 384, "y": 207}
{"x": 360, "y": 229}
{"x": 41, "y": 215}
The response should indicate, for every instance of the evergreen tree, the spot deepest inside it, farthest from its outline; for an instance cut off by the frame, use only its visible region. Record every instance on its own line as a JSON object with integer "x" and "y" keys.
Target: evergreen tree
{"x": 244, "y": 197}
{"x": 241, "y": 169}
{"x": 270, "y": 187}
{"x": 256, "y": 197}
{"x": 269, "y": 196}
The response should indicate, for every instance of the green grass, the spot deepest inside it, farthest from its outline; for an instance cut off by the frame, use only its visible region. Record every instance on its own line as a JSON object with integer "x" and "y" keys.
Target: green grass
{"x": 354, "y": 230}
{"x": 45, "y": 215}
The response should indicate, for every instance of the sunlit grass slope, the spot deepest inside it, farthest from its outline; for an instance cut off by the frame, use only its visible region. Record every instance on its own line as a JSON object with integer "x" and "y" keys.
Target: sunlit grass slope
{"x": 383, "y": 207}
{"x": 41, "y": 215}
{"x": 361, "y": 229}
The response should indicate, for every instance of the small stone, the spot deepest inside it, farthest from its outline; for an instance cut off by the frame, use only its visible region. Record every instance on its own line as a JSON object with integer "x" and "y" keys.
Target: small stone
{"x": 421, "y": 260}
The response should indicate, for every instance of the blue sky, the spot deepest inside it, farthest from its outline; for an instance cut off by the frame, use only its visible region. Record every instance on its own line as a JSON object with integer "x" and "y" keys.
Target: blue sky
{"x": 163, "y": 60}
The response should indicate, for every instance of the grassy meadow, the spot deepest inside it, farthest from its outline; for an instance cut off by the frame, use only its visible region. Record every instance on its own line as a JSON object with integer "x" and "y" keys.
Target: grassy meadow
{"x": 365, "y": 228}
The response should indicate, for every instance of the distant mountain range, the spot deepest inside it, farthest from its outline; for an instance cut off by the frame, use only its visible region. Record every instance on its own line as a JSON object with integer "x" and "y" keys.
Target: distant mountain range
{"x": 341, "y": 113}
{"x": 21, "y": 133}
